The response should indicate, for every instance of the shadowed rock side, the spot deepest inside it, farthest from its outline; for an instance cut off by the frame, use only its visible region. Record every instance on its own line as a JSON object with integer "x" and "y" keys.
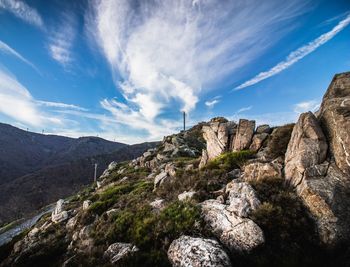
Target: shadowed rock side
{"x": 219, "y": 194}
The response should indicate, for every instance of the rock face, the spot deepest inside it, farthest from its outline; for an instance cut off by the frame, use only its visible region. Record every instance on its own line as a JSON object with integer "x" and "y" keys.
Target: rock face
{"x": 257, "y": 141}
{"x": 258, "y": 171}
{"x": 307, "y": 147}
{"x": 242, "y": 198}
{"x": 197, "y": 252}
{"x": 217, "y": 135}
{"x": 323, "y": 187}
{"x": 118, "y": 251}
{"x": 334, "y": 116}
{"x": 236, "y": 233}
{"x": 59, "y": 214}
{"x": 244, "y": 135}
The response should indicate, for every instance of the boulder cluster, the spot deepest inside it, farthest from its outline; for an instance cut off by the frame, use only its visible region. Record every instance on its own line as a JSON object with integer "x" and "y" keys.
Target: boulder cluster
{"x": 312, "y": 156}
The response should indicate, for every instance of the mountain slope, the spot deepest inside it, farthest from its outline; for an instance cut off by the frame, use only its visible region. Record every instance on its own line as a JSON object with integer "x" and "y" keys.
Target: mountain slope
{"x": 23, "y": 152}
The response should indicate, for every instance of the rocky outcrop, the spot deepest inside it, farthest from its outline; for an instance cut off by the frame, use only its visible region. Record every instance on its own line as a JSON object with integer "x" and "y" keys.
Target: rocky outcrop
{"x": 257, "y": 141}
{"x": 120, "y": 251}
{"x": 334, "y": 116}
{"x": 323, "y": 187}
{"x": 258, "y": 171}
{"x": 218, "y": 135}
{"x": 244, "y": 134}
{"x": 236, "y": 233}
{"x": 59, "y": 214}
{"x": 242, "y": 198}
{"x": 307, "y": 147}
{"x": 189, "y": 251}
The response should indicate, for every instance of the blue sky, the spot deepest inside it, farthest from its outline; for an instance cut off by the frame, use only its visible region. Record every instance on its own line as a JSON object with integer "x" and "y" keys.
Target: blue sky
{"x": 124, "y": 70}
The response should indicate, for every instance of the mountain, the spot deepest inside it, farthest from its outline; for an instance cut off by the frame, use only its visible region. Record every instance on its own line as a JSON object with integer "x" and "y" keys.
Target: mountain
{"x": 222, "y": 193}
{"x": 23, "y": 152}
{"x": 38, "y": 169}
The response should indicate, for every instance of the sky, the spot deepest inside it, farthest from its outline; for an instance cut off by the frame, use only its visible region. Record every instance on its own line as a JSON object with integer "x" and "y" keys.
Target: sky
{"x": 125, "y": 70}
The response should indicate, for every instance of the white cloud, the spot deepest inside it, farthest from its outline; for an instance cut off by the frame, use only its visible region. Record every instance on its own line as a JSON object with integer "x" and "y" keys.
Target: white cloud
{"x": 306, "y": 106}
{"x": 211, "y": 103}
{"x": 244, "y": 109}
{"x": 7, "y": 49}
{"x": 164, "y": 54}
{"x": 62, "y": 39}
{"x": 16, "y": 101}
{"x": 297, "y": 55}
{"x": 21, "y": 10}
{"x": 60, "y": 105}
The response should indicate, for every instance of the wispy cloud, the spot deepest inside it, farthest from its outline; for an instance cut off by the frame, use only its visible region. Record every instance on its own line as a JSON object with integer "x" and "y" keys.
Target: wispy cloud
{"x": 164, "y": 54}
{"x": 16, "y": 101}
{"x": 23, "y": 11}
{"x": 62, "y": 39}
{"x": 241, "y": 110}
{"x": 7, "y": 49}
{"x": 312, "y": 105}
{"x": 60, "y": 105}
{"x": 298, "y": 54}
{"x": 212, "y": 103}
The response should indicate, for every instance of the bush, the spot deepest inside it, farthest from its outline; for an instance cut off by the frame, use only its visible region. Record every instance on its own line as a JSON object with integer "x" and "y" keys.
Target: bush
{"x": 230, "y": 160}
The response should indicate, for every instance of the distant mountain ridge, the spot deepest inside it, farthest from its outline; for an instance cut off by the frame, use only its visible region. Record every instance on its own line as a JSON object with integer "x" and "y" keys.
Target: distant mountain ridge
{"x": 23, "y": 152}
{"x": 37, "y": 169}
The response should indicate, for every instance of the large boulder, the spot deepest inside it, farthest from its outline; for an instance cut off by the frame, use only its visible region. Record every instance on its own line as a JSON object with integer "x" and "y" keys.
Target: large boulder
{"x": 217, "y": 135}
{"x": 59, "y": 214}
{"x": 244, "y": 134}
{"x": 236, "y": 233}
{"x": 323, "y": 187}
{"x": 189, "y": 251}
{"x": 257, "y": 141}
{"x": 258, "y": 171}
{"x": 334, "y": 116}
{"x": 307, "y": 147}
{"x": 242, "y": 198}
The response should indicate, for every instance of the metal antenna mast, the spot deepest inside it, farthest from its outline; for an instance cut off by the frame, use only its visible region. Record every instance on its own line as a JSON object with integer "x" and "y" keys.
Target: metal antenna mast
{"x": 95, "y": 174}
{"x": 184, "y": 115}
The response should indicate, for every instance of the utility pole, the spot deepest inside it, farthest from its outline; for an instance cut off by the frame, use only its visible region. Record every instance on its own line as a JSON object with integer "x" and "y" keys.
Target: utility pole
{"x": 184, "y": 114}
{"x": 95, "y": 174}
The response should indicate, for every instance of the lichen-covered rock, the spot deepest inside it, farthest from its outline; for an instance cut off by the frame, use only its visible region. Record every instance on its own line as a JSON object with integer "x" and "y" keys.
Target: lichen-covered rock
{"x": 189, "y": 251}
{"x": 236, "y": 233}
{"x": 186, "y": 195}
{"x": 204, "y": 159}
{"x": 257, "y": 141}
{"x": 158, "y": 204}
{"x": 217, "y": 135}
{"x": 258, "y": 171}
{"x": 307, "y": 147}
{"x": 334, "y": 116}
{"x": 244, "y": 134}
{"x": 265, "y": 128}
{"x": 86, "y": 204}
{"x": 59, "y": 214}
{"x": 119, "y": 251}
{"x": 242, "y": 198}
{"x": 160, "y": 178}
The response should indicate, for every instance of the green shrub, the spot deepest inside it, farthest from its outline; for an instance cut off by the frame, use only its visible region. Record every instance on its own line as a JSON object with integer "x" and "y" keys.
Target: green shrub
{"x": 230, "y": 160}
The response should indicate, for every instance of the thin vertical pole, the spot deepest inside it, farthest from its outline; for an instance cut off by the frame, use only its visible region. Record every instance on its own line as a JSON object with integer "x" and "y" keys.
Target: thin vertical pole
{"x": 95, "y": 172}
{"x": 184, "y": 113}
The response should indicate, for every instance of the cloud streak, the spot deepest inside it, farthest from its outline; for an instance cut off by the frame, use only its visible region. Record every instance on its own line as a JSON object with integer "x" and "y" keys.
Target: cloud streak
{"x": 23, "y": 11}
{"x": 297, "y": 55}
{"x": 8, "y": 50}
